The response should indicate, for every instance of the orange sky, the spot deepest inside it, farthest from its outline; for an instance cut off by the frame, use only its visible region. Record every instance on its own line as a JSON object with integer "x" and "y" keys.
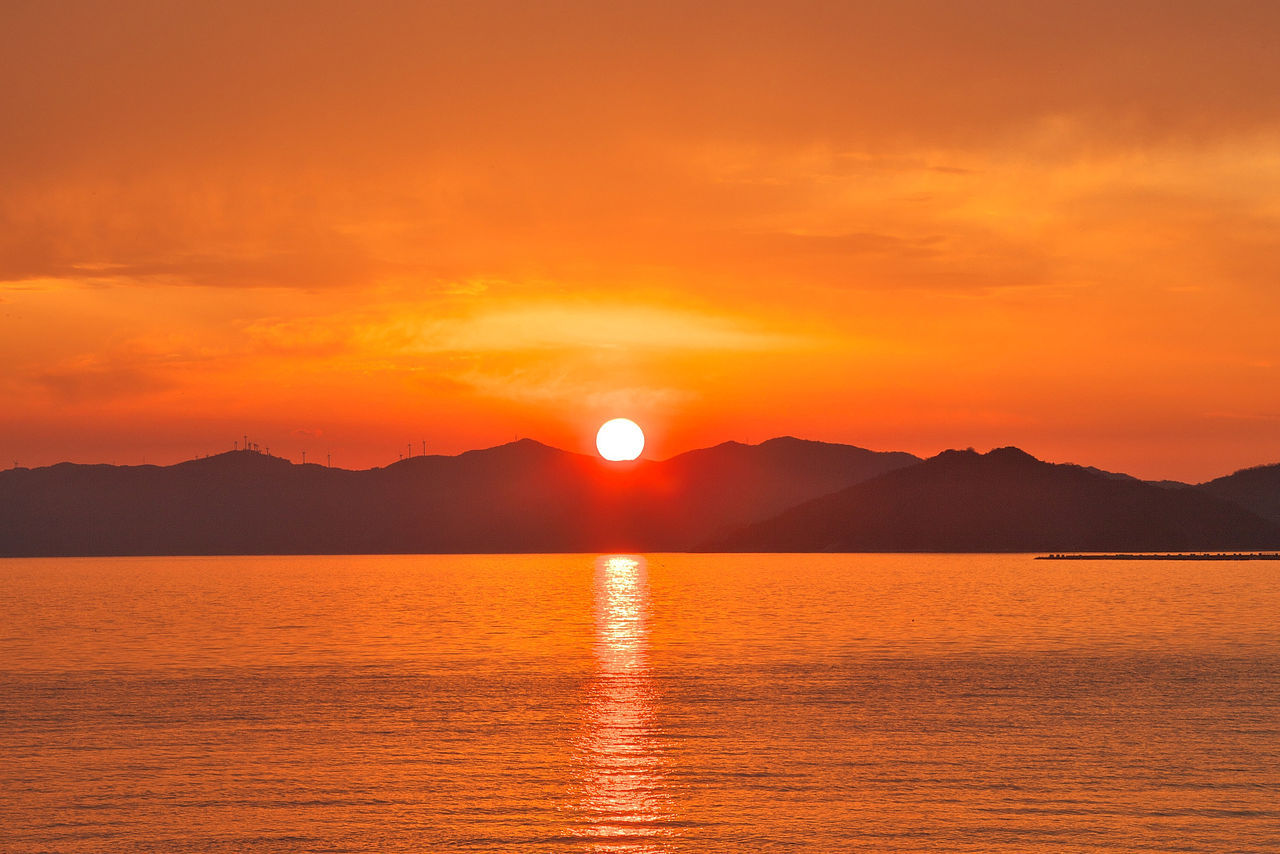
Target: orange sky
{"x": 345, "y": 227}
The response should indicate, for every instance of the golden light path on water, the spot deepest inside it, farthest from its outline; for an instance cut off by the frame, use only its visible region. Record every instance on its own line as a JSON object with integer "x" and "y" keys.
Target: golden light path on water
{"x": 623, "y": 803}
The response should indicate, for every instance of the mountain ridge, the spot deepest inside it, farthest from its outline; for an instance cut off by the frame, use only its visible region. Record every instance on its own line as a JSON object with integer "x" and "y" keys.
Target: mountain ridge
{"x": 517, "y": 497}
{"x": 1256, "y": 488}
{"x": 1006, "y": 501}
{"x": 785, "y": 493}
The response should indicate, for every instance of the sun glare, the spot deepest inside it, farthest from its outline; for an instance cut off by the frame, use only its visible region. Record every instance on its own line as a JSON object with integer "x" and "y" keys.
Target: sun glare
{"x": 620, "y": 439}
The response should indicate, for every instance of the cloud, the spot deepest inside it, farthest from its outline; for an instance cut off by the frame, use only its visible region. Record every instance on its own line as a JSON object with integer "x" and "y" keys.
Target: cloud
{"x": 138, "y": 238}
{"x": 405, "y": 332}
{"x": 90, "y": 382}
{"x": 412, "y": 78}
{"x": 451, "y": 142}
{"x": 582, "y": 390}
{"x": 601, "y": 327}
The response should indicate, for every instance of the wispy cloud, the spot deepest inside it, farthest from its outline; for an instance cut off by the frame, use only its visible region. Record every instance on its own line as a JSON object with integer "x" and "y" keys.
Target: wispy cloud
{"x": 600, "y": 327}
{"x": 93, "y": 382}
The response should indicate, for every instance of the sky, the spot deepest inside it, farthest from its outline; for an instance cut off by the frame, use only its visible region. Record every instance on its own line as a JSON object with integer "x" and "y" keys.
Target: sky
{"x": 353, "y": 228}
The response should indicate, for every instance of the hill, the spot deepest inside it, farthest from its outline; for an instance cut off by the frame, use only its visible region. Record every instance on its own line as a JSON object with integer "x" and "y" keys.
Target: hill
{"x": 1256, "y": 489}
{"x": 1006, "y": 501}
{"x": 519, "y": 497}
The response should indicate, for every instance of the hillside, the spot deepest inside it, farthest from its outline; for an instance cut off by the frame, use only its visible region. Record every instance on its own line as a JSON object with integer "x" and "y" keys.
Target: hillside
{"x": 1006, "y": 501}
{"x": 1256, "y": 489}
{"x": 519, "y": 497}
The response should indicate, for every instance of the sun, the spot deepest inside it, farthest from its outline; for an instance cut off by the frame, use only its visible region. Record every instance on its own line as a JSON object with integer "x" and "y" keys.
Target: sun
{"x": 620, "y": 439}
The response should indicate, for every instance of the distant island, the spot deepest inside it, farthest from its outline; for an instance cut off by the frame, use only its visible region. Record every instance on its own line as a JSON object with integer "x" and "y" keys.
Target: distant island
{"x": 783, "y": 495}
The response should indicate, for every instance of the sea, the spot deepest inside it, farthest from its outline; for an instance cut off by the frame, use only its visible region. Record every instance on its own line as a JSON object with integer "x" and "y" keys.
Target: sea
{"x": 638, "y": 703}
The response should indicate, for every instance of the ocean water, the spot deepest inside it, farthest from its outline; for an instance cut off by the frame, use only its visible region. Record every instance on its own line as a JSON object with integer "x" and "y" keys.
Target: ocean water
{"x": 621, "y": 703}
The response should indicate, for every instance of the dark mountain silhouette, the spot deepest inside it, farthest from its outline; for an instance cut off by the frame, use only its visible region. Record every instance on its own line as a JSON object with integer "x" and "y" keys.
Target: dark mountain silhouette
{"x": 519, "y": 497}
{"x": 1006, "y": 501}
{"x": 1116, "y": 475}
{"x": 1256, "y": 489}
{"x": 681, "y": 502}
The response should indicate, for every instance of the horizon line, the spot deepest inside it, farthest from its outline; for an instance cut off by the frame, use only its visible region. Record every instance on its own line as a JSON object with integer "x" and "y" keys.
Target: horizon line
{"x": 264, "y": 450}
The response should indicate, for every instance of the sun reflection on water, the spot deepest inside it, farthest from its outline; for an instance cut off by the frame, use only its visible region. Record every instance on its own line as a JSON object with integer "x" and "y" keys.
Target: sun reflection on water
{"x": 623, "y": 802}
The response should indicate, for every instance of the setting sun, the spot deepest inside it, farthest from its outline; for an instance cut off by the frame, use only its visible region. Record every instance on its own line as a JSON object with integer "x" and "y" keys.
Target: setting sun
{"x": 620, "y": 439}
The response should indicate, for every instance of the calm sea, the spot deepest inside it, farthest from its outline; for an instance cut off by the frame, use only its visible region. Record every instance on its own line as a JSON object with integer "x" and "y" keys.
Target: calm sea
{"x": 667, "y": 703}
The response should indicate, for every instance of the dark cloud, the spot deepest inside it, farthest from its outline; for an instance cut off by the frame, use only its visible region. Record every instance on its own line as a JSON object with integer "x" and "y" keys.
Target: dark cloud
{"x": 236, "y": 143}
{"x": 298, "y": 83}
{"x": 96, "y": 242}
{"x": 96, "y": 383}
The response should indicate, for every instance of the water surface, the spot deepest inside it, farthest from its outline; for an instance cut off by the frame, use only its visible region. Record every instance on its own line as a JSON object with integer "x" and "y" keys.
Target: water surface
{"x": 668, "y": 703}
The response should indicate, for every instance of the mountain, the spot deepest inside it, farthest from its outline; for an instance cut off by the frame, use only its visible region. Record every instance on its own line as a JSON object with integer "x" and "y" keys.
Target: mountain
{"x": 1115, "y": 475}
{"x": 1256, "y": 489}
{"x": 519, "y": 497}
{"x": 1006, "y": 501}
{"x": 681, "y": 502}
